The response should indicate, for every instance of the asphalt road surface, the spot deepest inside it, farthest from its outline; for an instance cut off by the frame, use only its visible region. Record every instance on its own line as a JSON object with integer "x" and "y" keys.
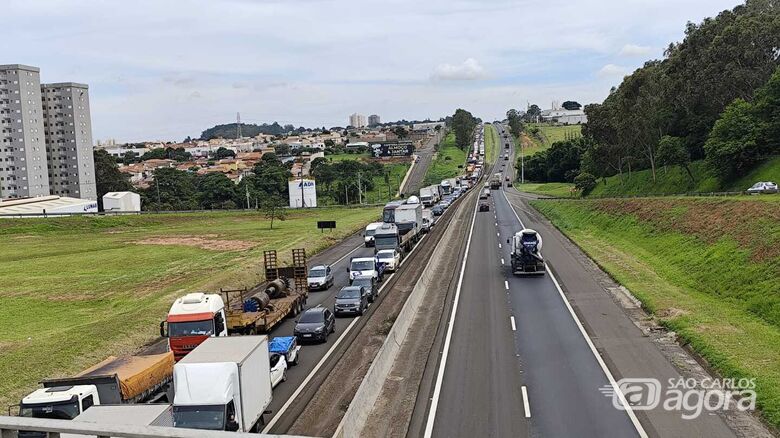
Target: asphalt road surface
{"x": 425, "y": 154}
{"x": 517, "y": 363}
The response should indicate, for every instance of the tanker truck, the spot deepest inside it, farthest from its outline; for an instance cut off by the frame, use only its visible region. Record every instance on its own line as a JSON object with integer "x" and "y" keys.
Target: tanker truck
{"x": 526, "y": 252}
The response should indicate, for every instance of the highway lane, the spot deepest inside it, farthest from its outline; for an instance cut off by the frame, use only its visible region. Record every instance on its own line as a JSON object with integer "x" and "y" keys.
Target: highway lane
{"x": 416, "y": 177}
{"x": 492, "y": 357}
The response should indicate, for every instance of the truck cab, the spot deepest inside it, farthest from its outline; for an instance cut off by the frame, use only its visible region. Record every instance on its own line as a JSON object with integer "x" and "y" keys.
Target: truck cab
{"x": 192, "y": 319}
{"x": 386, "y": 237}
{"x": 365, "y": 267}
{"x": 59, "y": 402}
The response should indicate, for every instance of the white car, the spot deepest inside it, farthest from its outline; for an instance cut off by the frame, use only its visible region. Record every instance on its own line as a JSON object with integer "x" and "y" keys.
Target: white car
{"x": 763, "y": 187}
{"x": 390, "y": 257}
{"x": 278, "y": 369}
{"x": 320, "y": 277}
{"x": 368, "y": 234}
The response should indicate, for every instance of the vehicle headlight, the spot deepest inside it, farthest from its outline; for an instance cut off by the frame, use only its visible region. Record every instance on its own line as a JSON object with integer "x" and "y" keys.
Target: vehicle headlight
{"x": 318, "y": 329}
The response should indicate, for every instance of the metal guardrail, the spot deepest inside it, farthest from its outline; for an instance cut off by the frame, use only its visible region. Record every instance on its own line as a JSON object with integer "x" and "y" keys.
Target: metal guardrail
{"x": 650, "y": 195}
{"x": 54, "y": 428}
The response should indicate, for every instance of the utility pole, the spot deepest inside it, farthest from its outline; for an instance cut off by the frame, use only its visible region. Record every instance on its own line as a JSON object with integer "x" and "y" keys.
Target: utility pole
{"x": 346, "y": 194}
{"x": 360, "y": 191}
{"x": 238, "y": 126}
{"x": 303, "y": 200}
{"x": 246, "y": 187}
{"x": 522, "y": 163}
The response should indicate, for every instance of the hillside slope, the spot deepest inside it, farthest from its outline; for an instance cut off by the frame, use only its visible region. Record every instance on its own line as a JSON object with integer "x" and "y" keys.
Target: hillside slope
{"x": 674, "y": 180}
{"x": 713, "y": 280}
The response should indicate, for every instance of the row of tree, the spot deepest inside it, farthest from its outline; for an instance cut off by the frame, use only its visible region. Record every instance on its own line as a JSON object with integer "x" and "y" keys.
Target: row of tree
{"x": 666, "y": 111}
{"x": 344, "y": 181}
{"x": 173, "y": 189}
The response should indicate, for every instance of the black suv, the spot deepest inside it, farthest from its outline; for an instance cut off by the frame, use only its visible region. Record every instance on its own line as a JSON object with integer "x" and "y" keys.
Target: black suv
{"x": 315, "y": 324}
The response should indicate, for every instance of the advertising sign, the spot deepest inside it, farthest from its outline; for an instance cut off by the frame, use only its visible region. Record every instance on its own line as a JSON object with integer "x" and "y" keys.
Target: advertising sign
{"x": 303, "y": 193}
{"x": 392, "y": 149}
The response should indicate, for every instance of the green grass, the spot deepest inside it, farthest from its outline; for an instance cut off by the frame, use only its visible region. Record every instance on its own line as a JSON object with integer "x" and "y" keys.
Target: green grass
{"x": 674, "y": 180}
{"x": 345, "y": 156}
{"x": 713, "y": 280}
{"x": 492, "y": 143}
{"x": 448, "y": 158}
{"x": 548, "y": 134}
{"x": 380, "y": 192}
{"x": 76, "y": 290}
{"x": 558, "y": 190}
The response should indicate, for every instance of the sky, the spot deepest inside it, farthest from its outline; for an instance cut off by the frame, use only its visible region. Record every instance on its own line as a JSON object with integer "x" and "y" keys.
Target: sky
{"x": 164, "y": 70}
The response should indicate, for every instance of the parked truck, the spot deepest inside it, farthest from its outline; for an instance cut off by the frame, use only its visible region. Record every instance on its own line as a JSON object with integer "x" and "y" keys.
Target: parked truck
{"x": 223, "y": 384}
{"x": 116, "y": 380}
{"x": 526, "y": 252}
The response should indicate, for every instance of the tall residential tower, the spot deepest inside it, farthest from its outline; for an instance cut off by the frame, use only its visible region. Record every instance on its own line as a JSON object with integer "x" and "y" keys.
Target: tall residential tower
{"x": 23, "y": 169}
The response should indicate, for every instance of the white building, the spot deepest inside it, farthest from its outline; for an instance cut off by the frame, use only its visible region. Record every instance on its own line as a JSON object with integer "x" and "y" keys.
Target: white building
{"x": 564, "y": 116}
{"x": 45, "y": 205}
{"x": 427, "y": 126}
{"x": 357, "y": 120}
{"x": 303, "y": 193}
{"x": 121, "y": 201}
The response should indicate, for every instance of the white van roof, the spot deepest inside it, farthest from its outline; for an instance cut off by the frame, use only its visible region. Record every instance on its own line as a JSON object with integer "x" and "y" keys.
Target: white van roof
{"x": 373, "y": 226}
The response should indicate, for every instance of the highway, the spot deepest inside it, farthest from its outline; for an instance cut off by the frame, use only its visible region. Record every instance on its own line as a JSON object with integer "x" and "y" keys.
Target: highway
{"x": 416, "y": 177}
{"x": 515, "y": 360}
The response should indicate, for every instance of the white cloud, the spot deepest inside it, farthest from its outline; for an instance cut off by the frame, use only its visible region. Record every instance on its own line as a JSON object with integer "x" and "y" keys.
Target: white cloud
{"x": 469, "y": 70}
{"x": 635, "y": 50}
{"x": 612, "y": 70}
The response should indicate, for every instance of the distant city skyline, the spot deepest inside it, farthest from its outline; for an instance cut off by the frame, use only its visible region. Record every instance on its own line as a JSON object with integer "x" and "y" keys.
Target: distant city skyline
{"x": 168, "y": 70}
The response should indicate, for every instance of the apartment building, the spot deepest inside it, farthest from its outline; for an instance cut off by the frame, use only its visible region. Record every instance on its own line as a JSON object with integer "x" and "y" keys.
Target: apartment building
{"x": 46, "y": 134}
{"x": 68, "y": 129}
{"x": 23, "y": 165}
{"x": 373, "y": 120}
{"x": 357, "y": 120}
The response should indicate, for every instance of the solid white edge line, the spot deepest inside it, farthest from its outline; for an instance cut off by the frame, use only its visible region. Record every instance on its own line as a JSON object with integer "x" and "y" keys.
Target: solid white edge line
{"x": 317, "y": 367}
{"x": 630, "y": 412}
{"x": 526, "y": 405}
{"x": 448, "y": 337}
{"x": 512, "y": 320}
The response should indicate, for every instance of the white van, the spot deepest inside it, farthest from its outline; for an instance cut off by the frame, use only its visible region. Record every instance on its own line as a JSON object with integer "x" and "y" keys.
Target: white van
{"x": 368, "y": 235}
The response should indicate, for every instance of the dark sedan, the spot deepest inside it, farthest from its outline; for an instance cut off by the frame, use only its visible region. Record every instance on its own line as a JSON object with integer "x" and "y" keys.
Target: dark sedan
{"x": 315, "y": 324}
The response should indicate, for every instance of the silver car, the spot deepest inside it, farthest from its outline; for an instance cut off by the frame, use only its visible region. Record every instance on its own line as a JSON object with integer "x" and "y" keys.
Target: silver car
{"x": 763, "y": 187}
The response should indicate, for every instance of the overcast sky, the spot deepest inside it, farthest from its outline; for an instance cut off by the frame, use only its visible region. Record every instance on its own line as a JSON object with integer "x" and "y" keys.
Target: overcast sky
{"x": 162, "y": 70}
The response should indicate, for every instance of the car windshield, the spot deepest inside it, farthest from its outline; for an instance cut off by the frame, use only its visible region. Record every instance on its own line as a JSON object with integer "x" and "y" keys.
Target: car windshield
{"x": 349, "y": 292}
{"x": 199, "y": 417}
{"x": 317, "y": 272}
{"x": 370, "y": 233}
{"x": 364, "y": 265}
{"x": 191, "y": 328}
{"x": 310, "y": 317}
{"x": 384, "y": 241}
{"x": 385, "y": 255}
{"x": 66, "y": 410}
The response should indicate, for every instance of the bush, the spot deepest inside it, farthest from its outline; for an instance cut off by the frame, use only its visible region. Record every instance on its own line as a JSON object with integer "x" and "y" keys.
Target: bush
{"x": 585, "y": 182}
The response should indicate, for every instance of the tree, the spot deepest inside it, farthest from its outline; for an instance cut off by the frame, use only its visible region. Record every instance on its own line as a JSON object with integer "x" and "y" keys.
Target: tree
{"x": 224, "y": 152}
{"x": 571, "y": 105}
{"x": 154, "y": 154}
{"x": 129, "y": 157}
{"x": 401, "y": 132}
{"x": 108, "y": 178}
{"x": 672, "y": 152}
{"x": 273, "y": 207}
{"x": 215, "y": 190}
{"x": 533, "y": 113}
{"x": 171, "y": 189}
{"x": 733, "y": 146}
{"x": 585, "y": 183}
{"x": 515, "y": 122}
{"x": 282, "y": 149}
{"x": 463, "y": 124}
{"x": 329, "y": 143}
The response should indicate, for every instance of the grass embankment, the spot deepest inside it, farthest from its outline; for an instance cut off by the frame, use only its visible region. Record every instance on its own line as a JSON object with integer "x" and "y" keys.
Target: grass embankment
{"x": 557, "y": 190}
{"x": 76, "y": 290}
{"x": 492, "y": 143}
{"x": 446, "y": 163}
{"x": 545, "y": 136}
{"x": 706, "y": 268}
{"x": 383, "y": 192}
{"x": 346, "y": 156}
{"x": 675, "y": 180}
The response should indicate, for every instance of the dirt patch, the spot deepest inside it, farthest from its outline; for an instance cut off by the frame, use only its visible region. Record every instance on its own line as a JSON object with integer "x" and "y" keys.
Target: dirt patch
{"x": 749, "y": 223}
{"x": 671, "y": 313}
{"x": 200, "y": 242}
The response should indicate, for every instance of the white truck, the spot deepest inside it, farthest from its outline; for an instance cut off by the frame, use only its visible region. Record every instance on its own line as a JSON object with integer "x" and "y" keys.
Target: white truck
{"x": 365, "y": 267}
{"x": 124, "y": 415}
{"x": 526, "y": 252}
{"x": 368, "y": 234}
{"x": 223, "y": 384}
{"x": 430, "y": 195}
{"x": 408, "y": 219}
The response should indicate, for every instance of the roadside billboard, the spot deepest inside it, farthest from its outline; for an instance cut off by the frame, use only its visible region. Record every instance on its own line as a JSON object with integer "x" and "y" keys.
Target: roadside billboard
{"x": 303, "y": 193}
{"x": 392, "y": 149}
